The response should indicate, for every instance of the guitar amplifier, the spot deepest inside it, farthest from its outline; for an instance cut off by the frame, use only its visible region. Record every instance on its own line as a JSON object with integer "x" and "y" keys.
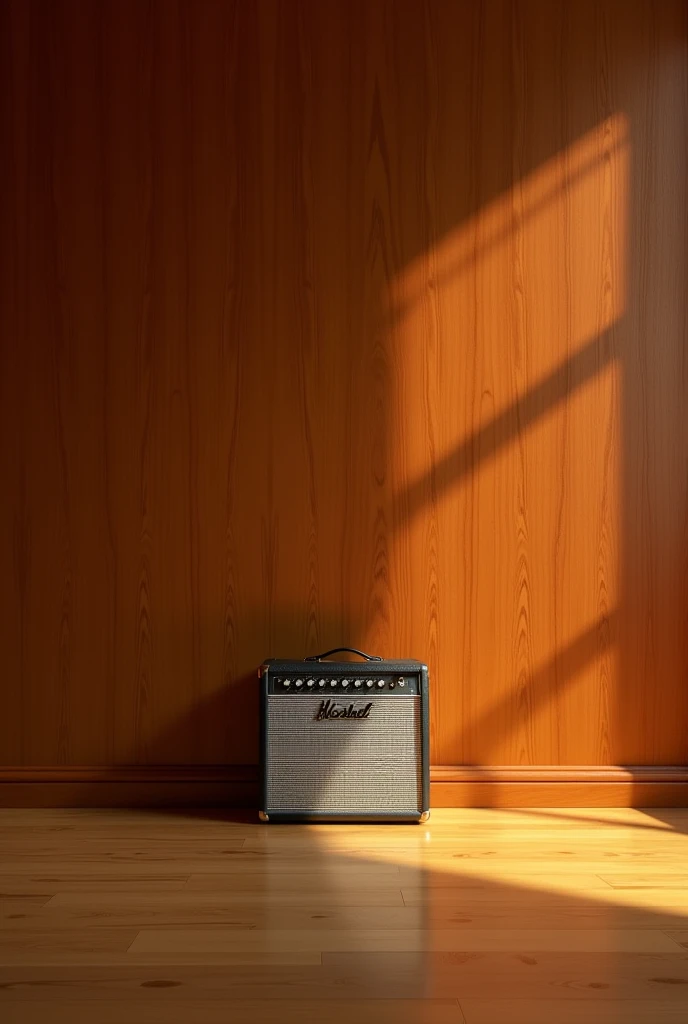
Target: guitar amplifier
{"x": 344, "y": 741}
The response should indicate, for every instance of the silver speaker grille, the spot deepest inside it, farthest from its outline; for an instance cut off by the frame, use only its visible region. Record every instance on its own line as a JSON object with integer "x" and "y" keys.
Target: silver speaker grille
{"x": 344, "y": 765}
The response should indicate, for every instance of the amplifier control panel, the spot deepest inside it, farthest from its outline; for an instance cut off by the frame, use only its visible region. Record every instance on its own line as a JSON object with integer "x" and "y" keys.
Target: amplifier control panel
{"x": 353, "y": 686}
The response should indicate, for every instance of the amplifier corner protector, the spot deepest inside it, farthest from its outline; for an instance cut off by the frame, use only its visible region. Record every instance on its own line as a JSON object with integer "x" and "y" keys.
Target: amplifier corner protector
{"x": 262, "y": 816}
{"x": 425, "y": 816}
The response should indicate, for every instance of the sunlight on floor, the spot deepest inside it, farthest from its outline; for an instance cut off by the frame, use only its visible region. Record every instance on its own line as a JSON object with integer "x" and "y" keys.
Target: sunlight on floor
{"x": 497, "y": 850}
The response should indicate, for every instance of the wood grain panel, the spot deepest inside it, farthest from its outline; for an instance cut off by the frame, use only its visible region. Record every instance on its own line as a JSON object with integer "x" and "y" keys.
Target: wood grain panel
{"x": 344, "y": 322}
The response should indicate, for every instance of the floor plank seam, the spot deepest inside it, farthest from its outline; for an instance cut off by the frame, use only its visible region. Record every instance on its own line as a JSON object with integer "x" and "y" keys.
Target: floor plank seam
{"x": 679, "y": 945}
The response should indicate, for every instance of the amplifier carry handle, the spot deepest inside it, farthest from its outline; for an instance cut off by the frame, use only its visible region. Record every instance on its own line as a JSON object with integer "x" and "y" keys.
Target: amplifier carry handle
{"x": 351, "y": 650}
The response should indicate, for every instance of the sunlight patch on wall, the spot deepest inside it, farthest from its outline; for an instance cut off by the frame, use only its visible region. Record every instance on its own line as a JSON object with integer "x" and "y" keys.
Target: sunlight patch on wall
{"x": 505, "y": 454}
{"x": 569, "y": 216}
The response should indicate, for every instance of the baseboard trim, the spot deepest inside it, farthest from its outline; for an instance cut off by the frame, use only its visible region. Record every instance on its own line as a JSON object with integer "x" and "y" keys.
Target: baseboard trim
{"x": 560, "y": 773}
{"x": 451, "y": 786}
{"x": 130, "y": 786}
{"x": 158, "y": 773}
{"x": 560, "y": 786}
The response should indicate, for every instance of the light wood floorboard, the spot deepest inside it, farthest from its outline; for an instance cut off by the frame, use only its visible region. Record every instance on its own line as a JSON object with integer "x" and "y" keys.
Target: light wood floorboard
{"x": 480, "y": 917}
{"x": 371, "y": 1011}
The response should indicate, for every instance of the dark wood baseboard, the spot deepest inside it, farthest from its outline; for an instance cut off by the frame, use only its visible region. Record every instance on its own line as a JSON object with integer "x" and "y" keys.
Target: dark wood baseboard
{"x": 451, "y": 786}
{"x": 130, "y": 786}
{"x": 554, "y": 786}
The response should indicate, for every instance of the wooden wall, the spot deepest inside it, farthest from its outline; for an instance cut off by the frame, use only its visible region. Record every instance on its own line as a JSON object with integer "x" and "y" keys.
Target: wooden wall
{"x": 332, "y": 321}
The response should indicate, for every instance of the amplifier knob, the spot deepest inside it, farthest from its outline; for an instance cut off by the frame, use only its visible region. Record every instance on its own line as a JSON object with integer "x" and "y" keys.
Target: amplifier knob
{"x": 345, "y": 682}
{"x": 380, "y": 684}
{"x": 369, "y": 683}
{"x": 298, "y": 684}
{"x": 400, "y": 681}
{"x": 359, "y": 682}
{"x": 321, "y": 682}
{"x": 311, "y": 682}
{"x": 286, "y": 682}
{"x": 333, "y": 682}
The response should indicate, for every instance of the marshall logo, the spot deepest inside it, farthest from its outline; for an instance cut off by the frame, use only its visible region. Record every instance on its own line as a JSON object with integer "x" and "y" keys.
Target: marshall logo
{"x": 328, "y": 709}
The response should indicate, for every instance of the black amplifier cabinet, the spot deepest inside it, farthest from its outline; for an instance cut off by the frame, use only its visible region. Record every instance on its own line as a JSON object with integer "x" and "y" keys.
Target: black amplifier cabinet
{"x": 344, "y": 741}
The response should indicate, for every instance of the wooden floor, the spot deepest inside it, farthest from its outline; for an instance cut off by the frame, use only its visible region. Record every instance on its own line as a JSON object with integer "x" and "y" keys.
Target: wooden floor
{"x": 482, "y": 917}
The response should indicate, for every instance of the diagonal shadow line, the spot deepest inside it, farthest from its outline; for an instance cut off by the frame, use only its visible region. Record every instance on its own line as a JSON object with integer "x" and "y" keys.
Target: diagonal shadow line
{"x": 548, "y": 682}
{"x": 484, "y": 443}
{"x": 547, "y": 814}
{"x": 408, "y": 289}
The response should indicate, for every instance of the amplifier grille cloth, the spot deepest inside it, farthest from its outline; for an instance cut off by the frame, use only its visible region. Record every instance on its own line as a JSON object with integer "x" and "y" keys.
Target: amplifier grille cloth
{"x": 350, "y": 765}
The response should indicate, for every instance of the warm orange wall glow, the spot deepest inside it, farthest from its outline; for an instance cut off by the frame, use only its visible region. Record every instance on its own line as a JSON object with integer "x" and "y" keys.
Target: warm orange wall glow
{"x": 530, "y": 381}
{"x": 555, "y": 215}
{"x": 343, "y": 322}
